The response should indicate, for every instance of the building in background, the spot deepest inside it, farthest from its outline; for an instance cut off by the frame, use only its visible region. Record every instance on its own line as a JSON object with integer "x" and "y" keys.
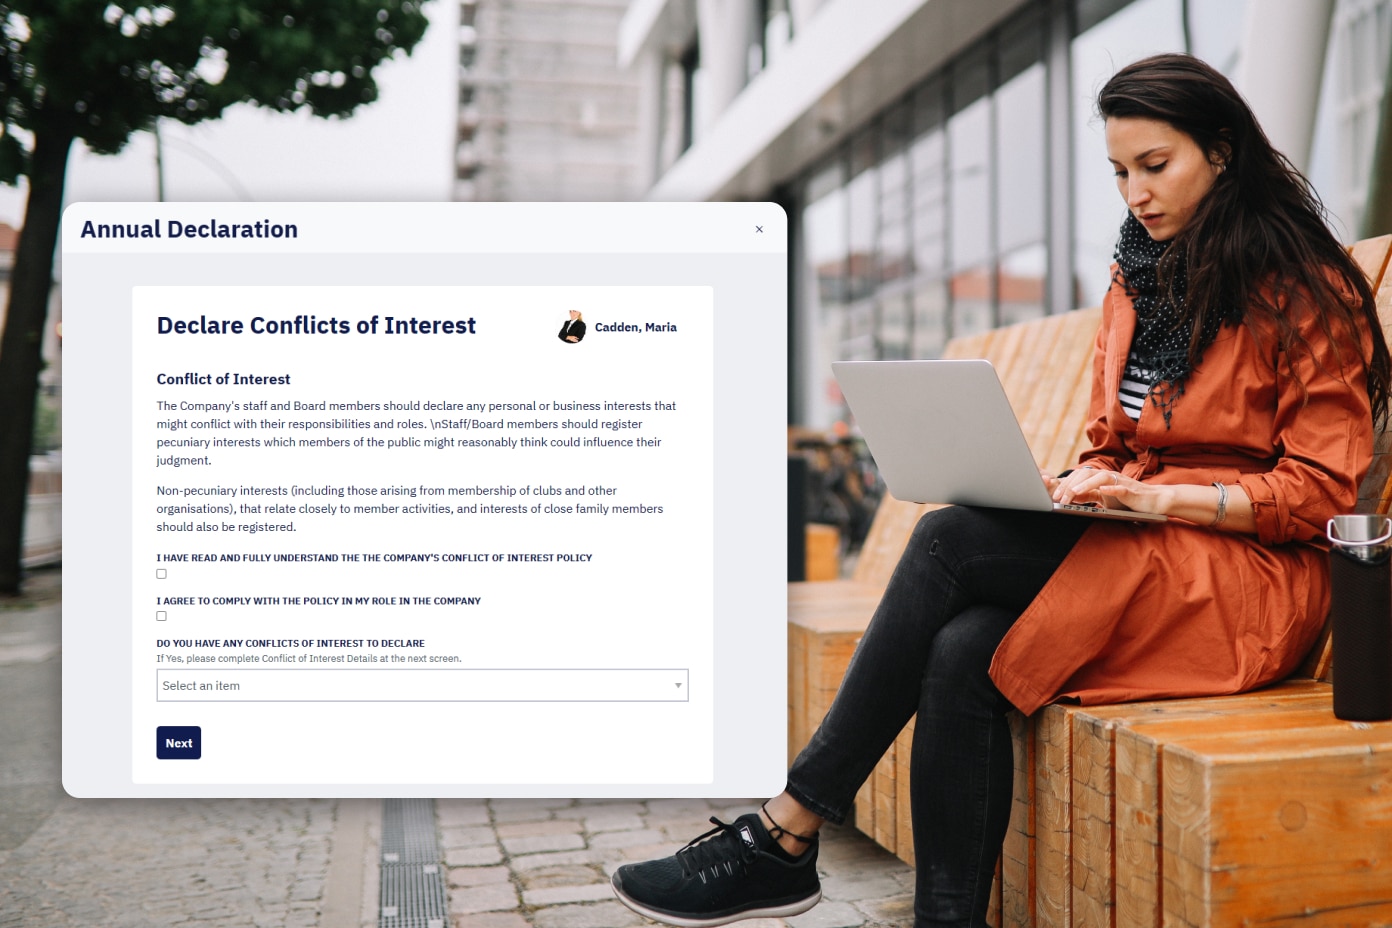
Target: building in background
{"x": 939, "y": 159}
{"x": 545, "y": 112}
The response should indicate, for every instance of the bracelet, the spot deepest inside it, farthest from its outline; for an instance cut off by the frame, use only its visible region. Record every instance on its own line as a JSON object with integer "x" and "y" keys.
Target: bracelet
{"x": 1222, "y": 505}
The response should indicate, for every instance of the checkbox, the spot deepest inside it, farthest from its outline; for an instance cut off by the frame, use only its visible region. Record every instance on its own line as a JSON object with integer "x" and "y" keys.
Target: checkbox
{"x": 161, "y": 573}
{"x": 161, "y": 616}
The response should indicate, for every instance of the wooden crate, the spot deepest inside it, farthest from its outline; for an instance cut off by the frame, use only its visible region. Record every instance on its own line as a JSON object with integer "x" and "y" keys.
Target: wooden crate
{"x": 823, "y": 630}
{"x": 823, "y": 560}
{"x": 1097, "y": 824}
{"x": 1285, "y": 828}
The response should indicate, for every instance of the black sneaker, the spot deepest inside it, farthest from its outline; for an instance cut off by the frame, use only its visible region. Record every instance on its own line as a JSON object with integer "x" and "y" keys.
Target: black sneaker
{"x": 731, "y": 872}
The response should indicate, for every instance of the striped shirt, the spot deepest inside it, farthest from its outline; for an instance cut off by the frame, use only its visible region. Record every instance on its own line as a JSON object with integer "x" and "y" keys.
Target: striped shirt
{"x": 1136, "y": 382}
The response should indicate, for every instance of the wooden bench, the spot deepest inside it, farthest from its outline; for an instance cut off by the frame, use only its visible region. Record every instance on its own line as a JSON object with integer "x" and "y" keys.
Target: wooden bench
{"x": 1260, "y": 807}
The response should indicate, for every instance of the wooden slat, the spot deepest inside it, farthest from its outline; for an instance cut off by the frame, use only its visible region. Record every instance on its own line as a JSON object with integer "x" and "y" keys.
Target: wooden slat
{"x": 1371, "y": 254}
{"x": 993, "y": 906}
{"x": 1137, "y": 836}
{"x": 1053, "y": 813}
{"x": 970, "y": 346}
{"x": 797, "y": 690}
{"x": 903, "y": 758}
{"x": 1002, "y": 351}
{"x": 1078, "y": 411}
{"x": 1017, "y": 853}
{"x": 889, "y": 534}
{"x": 886, "y": 799}
{"x": 1041, "y": 340}
{"x": 865, "y": 807}
{"x": 1056, "y": 453}
{"x": 1092, "y": 821}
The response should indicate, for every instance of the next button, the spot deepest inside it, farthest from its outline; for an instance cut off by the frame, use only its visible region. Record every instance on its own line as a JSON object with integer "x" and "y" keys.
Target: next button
{"x": 178, "y": 742}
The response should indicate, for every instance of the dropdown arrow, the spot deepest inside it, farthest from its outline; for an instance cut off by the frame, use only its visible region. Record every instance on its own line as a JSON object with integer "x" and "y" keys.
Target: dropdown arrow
{"x": 678, "y": 686}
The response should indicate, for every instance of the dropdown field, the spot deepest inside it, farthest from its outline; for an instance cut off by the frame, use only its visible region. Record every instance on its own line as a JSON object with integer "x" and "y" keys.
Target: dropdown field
{"x": 443, "y": 685}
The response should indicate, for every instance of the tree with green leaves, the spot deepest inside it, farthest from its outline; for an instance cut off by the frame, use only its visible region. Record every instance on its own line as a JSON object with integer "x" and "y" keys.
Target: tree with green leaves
{"x": 98, "y": 72}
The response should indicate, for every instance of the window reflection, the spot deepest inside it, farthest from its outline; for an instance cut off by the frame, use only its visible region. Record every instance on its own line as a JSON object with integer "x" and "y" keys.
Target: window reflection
{"x": 1022, "y": 268}
{"x": 823, "y": 289}
{"x": 932, "y": 220}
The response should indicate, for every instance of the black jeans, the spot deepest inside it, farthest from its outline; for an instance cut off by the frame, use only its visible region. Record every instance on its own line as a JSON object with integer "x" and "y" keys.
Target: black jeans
{"x": 963, "y": 580}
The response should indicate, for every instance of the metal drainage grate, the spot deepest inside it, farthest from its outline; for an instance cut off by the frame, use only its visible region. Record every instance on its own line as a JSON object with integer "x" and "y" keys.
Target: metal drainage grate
{"x": 413, "y": 884}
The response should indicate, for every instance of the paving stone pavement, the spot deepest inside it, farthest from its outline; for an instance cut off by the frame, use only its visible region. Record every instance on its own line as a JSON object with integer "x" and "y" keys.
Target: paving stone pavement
{"x": 537, "y": 863}
{"x": 86, "y": 863}
{"x": 270, "y": 863}
{"x": 142, "y": 863}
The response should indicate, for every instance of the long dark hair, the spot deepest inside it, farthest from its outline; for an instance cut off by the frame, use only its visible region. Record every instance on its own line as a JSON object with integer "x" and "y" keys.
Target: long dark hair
{"x": 1259, "y": 238}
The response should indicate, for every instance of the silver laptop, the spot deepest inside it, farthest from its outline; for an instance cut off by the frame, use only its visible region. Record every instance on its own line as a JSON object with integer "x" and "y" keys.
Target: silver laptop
{"x": 944, "y": 432}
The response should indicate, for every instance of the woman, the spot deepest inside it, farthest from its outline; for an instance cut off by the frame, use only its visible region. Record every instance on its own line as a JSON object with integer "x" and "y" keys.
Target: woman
{"x": 1237, "y": 373}
{"x": 573, "y": 329}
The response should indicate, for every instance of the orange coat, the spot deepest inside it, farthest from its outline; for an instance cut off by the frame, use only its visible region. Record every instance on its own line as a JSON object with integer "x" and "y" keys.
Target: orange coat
{"x": 1146, "y": 611}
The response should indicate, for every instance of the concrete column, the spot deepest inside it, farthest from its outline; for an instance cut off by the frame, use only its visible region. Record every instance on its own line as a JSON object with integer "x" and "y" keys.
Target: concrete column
{"x": 724, "y": 28}
{"x": 1059, "y": 158}
{"x": 802, "y": 11}
{"x": 1282, "y": 65}
{"x": 650, "y": 68}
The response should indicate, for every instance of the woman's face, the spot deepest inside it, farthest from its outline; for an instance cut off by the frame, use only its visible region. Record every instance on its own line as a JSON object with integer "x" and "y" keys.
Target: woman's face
{"x": 574, "y": 314}
{"x": 1161, "y": 172}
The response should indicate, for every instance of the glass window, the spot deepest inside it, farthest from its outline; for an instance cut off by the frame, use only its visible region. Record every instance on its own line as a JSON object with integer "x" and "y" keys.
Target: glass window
{"x": 895, "y": 309}
{"x": 969, "y": 192}
{"x": 895, "y": 324}
{"x": 822, "y": 292}
{"x": 1020, "y": 282}
{"x": 928, "y": 170}
{"x": 893, "y": 236}
{"x": 861, "y": 201}
{"x": 1021, "y": 146}
{"x": 862, "y": 196}
{"x": 927, "y": 159}
{"x": 930, "y": 318}
{"x": 969, "y": 165}
{"x": 1021, "y": 176}
{"x": 693, "y": 93}
{"x": 1142, "y": 28}
{"x": 1088, "y": 13}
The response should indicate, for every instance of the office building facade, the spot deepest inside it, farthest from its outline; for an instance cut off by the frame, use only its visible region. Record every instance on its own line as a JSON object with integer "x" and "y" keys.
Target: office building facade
{"x": 940, "y": 160}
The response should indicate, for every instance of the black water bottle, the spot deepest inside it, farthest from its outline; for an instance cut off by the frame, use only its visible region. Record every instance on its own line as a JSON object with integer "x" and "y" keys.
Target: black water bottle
{"x": 1360, "y": 579}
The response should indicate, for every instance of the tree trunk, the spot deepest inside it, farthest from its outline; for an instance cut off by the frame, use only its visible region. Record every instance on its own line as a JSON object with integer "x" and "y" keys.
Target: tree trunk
{"x": 21, "y": 346}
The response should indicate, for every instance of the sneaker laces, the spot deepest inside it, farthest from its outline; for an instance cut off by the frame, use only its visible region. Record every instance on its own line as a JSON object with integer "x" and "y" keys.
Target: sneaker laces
{"x": 719, "y": 852}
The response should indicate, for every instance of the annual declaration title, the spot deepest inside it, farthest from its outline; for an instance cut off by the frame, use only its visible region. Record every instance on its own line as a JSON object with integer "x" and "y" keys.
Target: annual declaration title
{"x": 213, "y": 228}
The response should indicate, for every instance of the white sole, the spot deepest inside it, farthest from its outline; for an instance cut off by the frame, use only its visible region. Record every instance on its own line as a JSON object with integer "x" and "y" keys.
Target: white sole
{"x": 779, "y": 911}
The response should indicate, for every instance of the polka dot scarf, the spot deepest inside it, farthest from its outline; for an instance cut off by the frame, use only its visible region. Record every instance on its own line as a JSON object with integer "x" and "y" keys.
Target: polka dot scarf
{"x": 1161, "y": 342}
